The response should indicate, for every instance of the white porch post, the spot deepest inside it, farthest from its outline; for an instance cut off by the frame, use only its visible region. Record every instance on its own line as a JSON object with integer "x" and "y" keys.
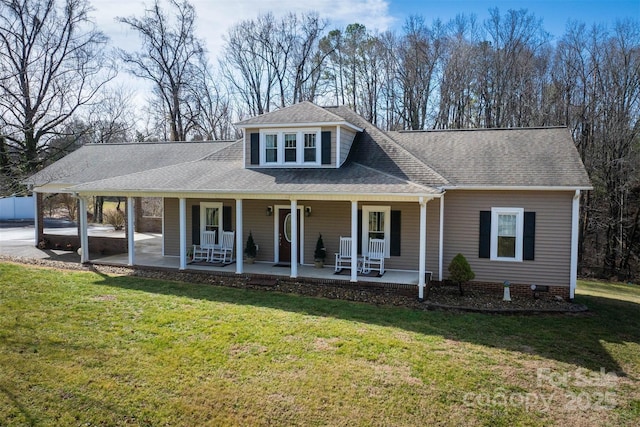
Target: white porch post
{"x": 183, "y": 233}
{"x": 131, "y": 231}
{"x": 239, "y": 237}
{"x": 441, "y": 239}
{"x": 294, "y": 238}
{"x": 354, "y": 240}
{"x": 36, "y": 224}
{"x": 84, "y": 234}
{"x": 575, "y": 232}
{"x": 423, "y": 248}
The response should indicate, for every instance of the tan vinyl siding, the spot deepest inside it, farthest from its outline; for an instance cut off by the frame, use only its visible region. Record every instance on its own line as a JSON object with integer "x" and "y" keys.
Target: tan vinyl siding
{"x": 347, "y": 136}
{"x": 171, "y": 227}
{"x": 261, "y": 226}
{"x": 552, "y": 239}
{"x": 247, "y": 146}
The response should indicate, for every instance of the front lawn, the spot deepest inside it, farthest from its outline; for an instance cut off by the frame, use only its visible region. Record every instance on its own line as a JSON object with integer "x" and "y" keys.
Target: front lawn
{"x": 80, "y": 348}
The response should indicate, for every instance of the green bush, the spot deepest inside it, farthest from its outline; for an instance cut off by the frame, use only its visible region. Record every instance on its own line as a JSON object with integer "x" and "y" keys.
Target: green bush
{"x": 460, "y": 271}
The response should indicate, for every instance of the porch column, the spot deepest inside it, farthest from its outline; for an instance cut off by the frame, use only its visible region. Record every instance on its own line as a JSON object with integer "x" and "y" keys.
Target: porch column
{"x": 423, "y": 248}
{"x": 37, "y": 216}
{"x": 441, "y": 239}
{"x": 131, "y": 231}
{"x": 354, "y": 240}
{"x": 84, "y": 234}
{"x": 294, "y": 238}
{"x": 239, "y": 237}
{"x": 183, "y": 233}
{"x": 575, "y": 232}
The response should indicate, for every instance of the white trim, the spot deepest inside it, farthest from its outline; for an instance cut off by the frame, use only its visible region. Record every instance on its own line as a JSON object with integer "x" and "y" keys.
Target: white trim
{"x": 441, "y": 239}
{"x": 514, "y": 188}
{"x": 131, "y": 232}
{"x": 354, "y": 238}
{"x": 84, "y": 232}
{"x": 183, "y": 232}
{"x": 294, "y": 239}
{"x": 36, "y": 208}
{"x": 338, "y": 144}
{"x": 244, "y": 148}
{"x": 203, "y": 217}
{"x": 495, "y": 213}
{"x": 366, "y": 209}
{"x": 297, "y": 125}
{"x": 163, "y": 235}
{"x": 239, "y": 238}
{"x": 422, "y": 254}
{"x": 575, "y": 233}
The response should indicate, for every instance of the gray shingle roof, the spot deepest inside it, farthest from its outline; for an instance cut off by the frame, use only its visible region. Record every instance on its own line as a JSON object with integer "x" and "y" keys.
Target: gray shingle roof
{"x": 93, "y": 162}
{"x": 304, "y": 112}
{"x": 226, "y": 174}
{"x": 544, "y": 157}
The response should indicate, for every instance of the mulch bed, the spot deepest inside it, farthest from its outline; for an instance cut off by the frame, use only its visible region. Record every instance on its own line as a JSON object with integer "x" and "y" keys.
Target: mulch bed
{"x": 439, "y": 297}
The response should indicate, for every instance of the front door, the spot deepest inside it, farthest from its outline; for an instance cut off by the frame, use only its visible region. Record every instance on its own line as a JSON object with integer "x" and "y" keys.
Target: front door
{"x": 284, "y": 238}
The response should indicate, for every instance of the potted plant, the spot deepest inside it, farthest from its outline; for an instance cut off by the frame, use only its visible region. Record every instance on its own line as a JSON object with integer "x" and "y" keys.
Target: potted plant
{"x": 250, "y": 249}
{"x": 320, "y": 253}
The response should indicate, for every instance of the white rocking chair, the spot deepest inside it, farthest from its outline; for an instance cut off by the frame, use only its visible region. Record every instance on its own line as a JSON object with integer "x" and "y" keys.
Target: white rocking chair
{"x": 202, "y": 251}
{"x": 343, "y": 258}
{"x": 374, "y": 260}
{"x": 223, "y": 252}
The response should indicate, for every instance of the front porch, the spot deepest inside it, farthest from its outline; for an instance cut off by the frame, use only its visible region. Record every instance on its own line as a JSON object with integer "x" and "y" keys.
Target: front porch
{"x": 147, "y": 257}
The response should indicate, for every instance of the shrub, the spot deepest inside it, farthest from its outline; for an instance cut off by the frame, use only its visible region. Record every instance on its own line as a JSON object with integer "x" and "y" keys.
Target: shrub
{"x": 114, "y": 218}
{"x": 321, "y": 252}
{"x": 460, "y": 271}
{"x": 250, "y": 250}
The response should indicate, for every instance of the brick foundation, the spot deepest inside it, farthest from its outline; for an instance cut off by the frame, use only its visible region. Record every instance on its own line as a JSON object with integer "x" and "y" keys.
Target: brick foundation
{"x": 98, "y": 245}
{"x": 517, "y": 289}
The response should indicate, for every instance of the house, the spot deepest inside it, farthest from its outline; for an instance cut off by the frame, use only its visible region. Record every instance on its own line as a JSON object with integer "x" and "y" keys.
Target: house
{"x": 507, "y": 199}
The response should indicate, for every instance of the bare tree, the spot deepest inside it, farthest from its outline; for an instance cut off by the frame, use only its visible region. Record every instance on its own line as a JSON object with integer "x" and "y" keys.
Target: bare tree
{"x": 52, "y": 62}
{"x": 168, "y": 59}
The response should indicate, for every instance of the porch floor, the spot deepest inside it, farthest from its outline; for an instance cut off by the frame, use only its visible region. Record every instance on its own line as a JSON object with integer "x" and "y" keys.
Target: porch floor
{"x": 149, "y": 254}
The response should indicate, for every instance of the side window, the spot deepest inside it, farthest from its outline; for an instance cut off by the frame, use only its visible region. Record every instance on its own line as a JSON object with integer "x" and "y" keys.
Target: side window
{"x": 507, "y": 225}
{"x": 376, "y": 224}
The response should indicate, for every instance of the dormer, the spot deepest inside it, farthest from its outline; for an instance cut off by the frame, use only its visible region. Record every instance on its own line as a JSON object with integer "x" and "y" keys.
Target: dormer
{"x": 303, "y": 135}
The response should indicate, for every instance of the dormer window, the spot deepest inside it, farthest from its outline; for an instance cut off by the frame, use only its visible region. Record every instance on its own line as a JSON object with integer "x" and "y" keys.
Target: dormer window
{"x": 287, "y": 147}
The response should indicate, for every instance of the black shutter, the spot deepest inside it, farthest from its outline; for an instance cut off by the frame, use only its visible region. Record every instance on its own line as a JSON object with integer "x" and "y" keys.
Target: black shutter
{"x": 529, "y": 237}
{"x": 326, "y": 147}
{"x": 255, "y": 148}
{"x": 195, "y": 224}
{"x": 484, "y": 250}
{"x": 358, "y": 242}
{"x": 394, "y": 249}
{"x": 227, "y": 223}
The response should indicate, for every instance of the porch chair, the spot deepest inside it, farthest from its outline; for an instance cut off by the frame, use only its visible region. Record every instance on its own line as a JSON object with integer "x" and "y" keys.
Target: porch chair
{"x": 375, "y": 258}
{"x": 223, "y": 252}
{"x": 343, "y": 258}
{"x": 202, "y": 251}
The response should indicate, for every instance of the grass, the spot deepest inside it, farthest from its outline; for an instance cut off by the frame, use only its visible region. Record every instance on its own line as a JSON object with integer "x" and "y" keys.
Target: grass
{"x": 80, "y": 348}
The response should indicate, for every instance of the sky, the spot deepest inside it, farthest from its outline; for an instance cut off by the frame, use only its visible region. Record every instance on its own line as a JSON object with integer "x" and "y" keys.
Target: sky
{"x": 215, "y": 17}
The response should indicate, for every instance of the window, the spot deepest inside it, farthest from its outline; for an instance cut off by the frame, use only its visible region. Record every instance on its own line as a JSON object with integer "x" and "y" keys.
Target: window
{"x": 211, "y": 218}
{"x": 290, "y": 152}
{"x": 271, "y": 151}
{"x": 376, "y": 224}
{"x": 507, "y": 225}
{"x": 297, "y": 147}
{"x": 310, "y": 147}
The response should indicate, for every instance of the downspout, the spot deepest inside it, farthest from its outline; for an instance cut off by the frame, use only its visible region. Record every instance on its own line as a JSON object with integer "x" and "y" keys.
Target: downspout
{"x": 441, "y": 238}
{"x": 575, "y": 232}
